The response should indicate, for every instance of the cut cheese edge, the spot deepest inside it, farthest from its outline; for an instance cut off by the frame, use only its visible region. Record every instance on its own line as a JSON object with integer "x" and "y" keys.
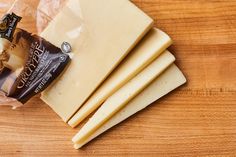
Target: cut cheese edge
{"x": 165, "y": 83}
{"x": 121, "y": 97}
{"x": 101, "y": 34}
{"x": 153, "y": 44}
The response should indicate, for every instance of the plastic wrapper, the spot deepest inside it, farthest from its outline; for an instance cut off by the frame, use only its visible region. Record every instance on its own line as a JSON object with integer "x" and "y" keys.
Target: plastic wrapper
{"x": 28, "y": 62}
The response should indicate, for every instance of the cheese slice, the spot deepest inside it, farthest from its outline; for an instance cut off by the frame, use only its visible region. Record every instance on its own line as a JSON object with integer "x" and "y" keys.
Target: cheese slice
{"x": 101, "y": 34}
{"x": 120, "y": 98}
{"x": 162, "y": 85}
{"x": 153, "y": 44}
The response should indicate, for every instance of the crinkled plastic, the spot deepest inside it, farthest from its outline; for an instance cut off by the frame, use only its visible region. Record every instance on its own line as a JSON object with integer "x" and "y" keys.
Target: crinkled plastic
{"x": 28, "y": 62}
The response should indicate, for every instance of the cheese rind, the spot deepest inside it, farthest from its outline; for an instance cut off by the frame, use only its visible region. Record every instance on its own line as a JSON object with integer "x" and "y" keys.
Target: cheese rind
{"x": 121, "y": 97}
{"x": 165, "y": 83}
{"x": 153, "y": 44}
{"x": 101, "y": 34}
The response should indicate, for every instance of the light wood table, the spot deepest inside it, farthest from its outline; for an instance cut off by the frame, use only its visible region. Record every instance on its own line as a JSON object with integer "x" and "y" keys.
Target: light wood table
{"x": 198, "y": 119}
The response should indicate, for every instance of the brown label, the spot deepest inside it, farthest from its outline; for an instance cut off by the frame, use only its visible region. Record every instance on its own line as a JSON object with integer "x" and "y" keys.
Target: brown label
{"x": 8, "y": 25}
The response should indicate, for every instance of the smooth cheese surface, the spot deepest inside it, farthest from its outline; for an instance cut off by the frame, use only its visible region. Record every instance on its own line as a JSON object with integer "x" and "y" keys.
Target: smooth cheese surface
{"x": 121, "y": 97}
{"x": 149, "y": 48}
{"x": 101, "y": 34}
{"x": 165, "y": 83}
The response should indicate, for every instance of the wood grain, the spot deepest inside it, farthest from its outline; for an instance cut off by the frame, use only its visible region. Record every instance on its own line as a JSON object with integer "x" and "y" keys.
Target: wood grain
{"x": 198, "y": 119}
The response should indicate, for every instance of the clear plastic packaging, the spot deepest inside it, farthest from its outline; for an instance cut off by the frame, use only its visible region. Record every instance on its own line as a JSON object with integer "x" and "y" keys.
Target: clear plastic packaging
{"x": 28, "y": 62}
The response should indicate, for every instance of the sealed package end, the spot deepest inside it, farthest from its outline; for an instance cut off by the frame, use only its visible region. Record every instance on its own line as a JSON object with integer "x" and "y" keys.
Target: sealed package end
{"x": 28, "y": 63}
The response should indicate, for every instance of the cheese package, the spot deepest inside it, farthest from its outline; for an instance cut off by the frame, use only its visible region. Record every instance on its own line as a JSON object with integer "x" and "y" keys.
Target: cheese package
{"x": 100, "y": 33}
{"x": 121, "y": 97}
{"x": 28, "y": 63}
{"x": 153, "y": 44}
{"x": 165, "y": 83}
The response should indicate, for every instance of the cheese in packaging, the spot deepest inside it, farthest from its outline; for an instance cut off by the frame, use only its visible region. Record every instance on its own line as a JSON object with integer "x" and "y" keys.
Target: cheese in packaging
{"x": 28, "y": 62}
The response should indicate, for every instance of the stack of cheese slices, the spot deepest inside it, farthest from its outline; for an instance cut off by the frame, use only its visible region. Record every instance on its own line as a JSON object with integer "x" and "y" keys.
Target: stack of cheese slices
{"x": 120, "y": 65}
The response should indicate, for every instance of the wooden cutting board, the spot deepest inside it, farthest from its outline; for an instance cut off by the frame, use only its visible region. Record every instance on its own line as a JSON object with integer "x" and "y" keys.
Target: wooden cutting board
{"x": 198, "y": 119}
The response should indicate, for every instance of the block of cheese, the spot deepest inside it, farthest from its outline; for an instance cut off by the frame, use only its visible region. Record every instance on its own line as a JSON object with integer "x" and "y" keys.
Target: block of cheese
{"x": 153, "y": 44}
{"x": 162, "y": 85}
{"x": 121, "y": 97}
{"x": 101, "y": 34}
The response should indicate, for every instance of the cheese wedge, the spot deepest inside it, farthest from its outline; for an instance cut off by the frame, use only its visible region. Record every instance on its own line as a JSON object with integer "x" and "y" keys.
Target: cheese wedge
{"x": 120, "y": 98}
{"x": 101, "y": 34}
{"x": 162, "y": 85}
{"x": 153, "y": 44}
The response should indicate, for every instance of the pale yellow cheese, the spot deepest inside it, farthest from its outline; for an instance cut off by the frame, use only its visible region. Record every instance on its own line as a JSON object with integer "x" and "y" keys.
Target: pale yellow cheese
{"x": 153, "y": 44}
{"x": 121, "y": 97}
{"x": 162, "y": 85}
{"x": 101, "y": 34}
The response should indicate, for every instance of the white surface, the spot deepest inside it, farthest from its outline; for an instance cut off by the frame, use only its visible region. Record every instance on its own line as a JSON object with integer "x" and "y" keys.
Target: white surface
{"x": 106, "y": 31}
